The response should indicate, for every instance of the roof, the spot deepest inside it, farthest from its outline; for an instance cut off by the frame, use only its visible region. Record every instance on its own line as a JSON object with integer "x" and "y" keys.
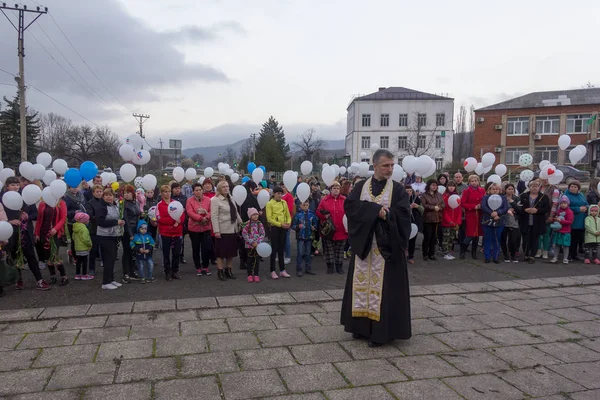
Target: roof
{"x": 400, "y": 93}
{"x": 549, "y": 99}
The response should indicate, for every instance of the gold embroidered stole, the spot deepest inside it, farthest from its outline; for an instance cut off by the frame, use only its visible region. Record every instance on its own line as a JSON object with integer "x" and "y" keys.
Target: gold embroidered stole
{"x": 367, "y": 282}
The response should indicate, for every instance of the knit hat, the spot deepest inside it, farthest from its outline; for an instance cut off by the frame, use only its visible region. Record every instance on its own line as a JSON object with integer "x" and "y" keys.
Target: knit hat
{"x": 82, "y": 217}
{"x": 251, "y": 212}
{"x": 564, "y": 199}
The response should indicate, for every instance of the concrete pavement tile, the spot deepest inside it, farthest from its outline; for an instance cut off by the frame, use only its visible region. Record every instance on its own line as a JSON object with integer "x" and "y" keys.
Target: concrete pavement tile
{"x": 321, "y": 334}
{"x": 499, "y": 320}
{"x": 474, "y": 287}
{"x": 559, "y": 302}
{"x": 313, "y": 295}
{"x": 69, "y": 394}
{"x": 422, "y": 390}
{"x": 216, "y": 313}
{"x": 585, "y": 328}
{"x": 517, "y": 295}
{"x": 563, "y": 281}
{"x": 464, "y": 340}
{"x": 31, "y": 327}
{"x": 479, "y": 387}
{"x": 338, "y": 294}
{"x": 294, "y": 321}
{"x": 100, "y": 335}
{"x": 327, "y": 319}
{"x": 233, "y": 341}
{"x": 419, "y": 311}
{"x": 9, "y": 342}
{"x": 536, "y": 317}
{"x": 81, "y": 323}
{"x": 539, "y": 381}
{"x": 482, "y": 297}
{"x": 417, "y": 290}
{"x": 245, "y": 324}
{"x": 459, "y": 323}
{"x": 175, "y": 346}
{"x": 360, "y": 350}
{"x": 274, "y": 298}
{"x": 153, "y": 305}
{"x": 304, "y": 396}
{"x": 128, "y": 391}
{"x": 14, "y": 360}
{"x": 573, "y": 314}
{"x": 125, "y": 350}
{"x": 236, "y": 301}
{"x": 524, "y": 305}
{"x": 510, "y": 336}
{"x": 147, "y": 369}
{"x": 206, "y": 388}
{"x": 293, "y": 309}
{"x": 49, "y": 339}
{"x": 576, "y": 290}
{"x": 593, "y": 344}
{"x": 551, "y": 333}
{"x": 80, "y": 375}
{"x": 452, "y": 310}
{"x": 151, "y": 331}
{"x": 445, "y": 289}
{"x": 209, "y": 363}
{"x": 167, "y": 318}
{"x": 508, "y": 285}
{"x": 265, "y": 358}
{"x": 197, "y": 302}
{"x": 30, "y": 380}
{"x": 319, "y": 353}
{"x": 282, "y": 337}
{"x": 426, "y": 326}
{"x": 536, "y": 283}
{"x": 542, "y": 293}
{"x": 261, "y": 310}
{"x": 111, "y": 308}
{"x": 423, "y": 301}
{"x": 20, "y": 315}
{"x": 569, "y": 352}
{"x": 370, "y": 372}
{"x": 53, "y": 356}
{"x": 129, "y": 319}
{"x": 492, "y": 307}
{"x": 244, "y": 385}
{"x": 424, "y": 367}
{"x": 368, "y": 392}
{"x": 421, "y": 344}
{"x": 312, "y": 377}
{"x": 587, "y": 395}
{"x": 587, "y": 279}
{"x": 475, "y": 361}
{"x": 448, "y": 299}
{"x": 523, "y": 356}
{"x": 331, "y": 306}
{"x": 589, "y": 299}
{"x": 202, "y": 327}
{"x": 592, "y": 309}
{"x": 65, "y": 311}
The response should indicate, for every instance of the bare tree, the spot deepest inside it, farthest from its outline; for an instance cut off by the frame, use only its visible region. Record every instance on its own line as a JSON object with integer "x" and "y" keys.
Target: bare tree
{"x": 472, "y": 118}
{"x": 198, "y": 158}
{"x": 310, "y": 146}
{"x": 589, "y": 85}
{"x": 461, "y": 119}
{"x": 187, "y": 163}
{"x": 230, "y": 155}
{"x": 418, "y": 140}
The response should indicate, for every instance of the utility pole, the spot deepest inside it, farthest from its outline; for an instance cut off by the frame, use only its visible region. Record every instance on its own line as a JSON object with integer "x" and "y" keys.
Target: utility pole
{"x": 253, "y": 136}
{"x": 141, "y": 118}
{"x": 21, "y": 78}
{"x": 161, "y": 154}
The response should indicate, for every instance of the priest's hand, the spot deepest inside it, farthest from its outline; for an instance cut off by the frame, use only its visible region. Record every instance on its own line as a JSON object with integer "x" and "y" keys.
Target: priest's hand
{"x": 383, "y": 212}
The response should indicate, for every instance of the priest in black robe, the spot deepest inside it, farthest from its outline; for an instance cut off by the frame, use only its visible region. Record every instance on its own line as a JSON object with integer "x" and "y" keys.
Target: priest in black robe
{"x": 376, "y": 304}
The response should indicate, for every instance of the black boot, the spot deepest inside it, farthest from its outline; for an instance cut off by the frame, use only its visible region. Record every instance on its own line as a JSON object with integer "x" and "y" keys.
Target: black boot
{"x": 339, "y": 268}
{"x": 463, "y": 249}
{"x": 229, "y": 273}
{"x": 474, "y": 252}
{"x": 220, "y": 274}
{"x": 330, "y": 268}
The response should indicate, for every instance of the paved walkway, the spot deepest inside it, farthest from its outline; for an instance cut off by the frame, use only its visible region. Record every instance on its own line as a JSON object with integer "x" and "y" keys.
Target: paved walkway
{"x": 534, "y": 338}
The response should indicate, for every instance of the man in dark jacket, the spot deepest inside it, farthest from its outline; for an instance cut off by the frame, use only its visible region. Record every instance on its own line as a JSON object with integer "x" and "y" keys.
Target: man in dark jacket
{"x": 92, "y": 208}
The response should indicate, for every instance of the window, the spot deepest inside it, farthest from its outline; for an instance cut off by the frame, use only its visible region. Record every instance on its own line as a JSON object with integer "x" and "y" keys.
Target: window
{"x": 438, "y": 142}
{"x": 545, "y": 153}
{"x": 439, "y": 163}
{"x": 518, "y": 126}
{"x": 422, "y": 119}
{"x": 366, "y": 120}
{"x": 578, "y": 123}
{"x": 440, "y": 119}
{"x": 547, "y": 124}
{"x": 513, "y": 154}
{"x": 421, "y": 142}
{"x": 366, "y": 142}
{"x": 403, "y": 120}
{"x": 400, "y": 160}
{"x": 402, "y": 142}
{"x": 385, "y": 120}
{"x": 384, "y": 142}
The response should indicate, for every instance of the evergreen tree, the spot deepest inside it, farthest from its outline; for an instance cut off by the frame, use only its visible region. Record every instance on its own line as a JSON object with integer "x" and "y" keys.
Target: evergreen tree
{"x": 10, "y": 134}
{"x": 271, "y": 148}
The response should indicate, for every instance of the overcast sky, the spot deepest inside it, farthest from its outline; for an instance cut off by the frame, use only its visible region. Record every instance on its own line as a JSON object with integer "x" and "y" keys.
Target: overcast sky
{"x": 205, "y": 68}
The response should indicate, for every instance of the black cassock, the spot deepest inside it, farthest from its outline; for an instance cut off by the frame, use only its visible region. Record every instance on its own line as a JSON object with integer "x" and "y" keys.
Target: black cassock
{"x": 392, "y": 237}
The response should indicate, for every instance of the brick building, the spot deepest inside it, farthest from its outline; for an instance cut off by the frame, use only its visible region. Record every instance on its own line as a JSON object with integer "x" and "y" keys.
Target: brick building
{"x": 532, "y": 124}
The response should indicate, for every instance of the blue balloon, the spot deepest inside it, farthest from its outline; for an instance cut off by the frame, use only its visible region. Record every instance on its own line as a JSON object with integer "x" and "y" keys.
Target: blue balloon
{"x": 72, "y": 177}
{"x": 251, "y": 167}
{"x": 245, "y": 179}
{"x": 88, "y": 170}
{"x": 263, "y": 168}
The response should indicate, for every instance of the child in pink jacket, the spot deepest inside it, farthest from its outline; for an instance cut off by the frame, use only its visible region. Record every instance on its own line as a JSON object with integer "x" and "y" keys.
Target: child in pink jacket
{"x": 562, "y": 236}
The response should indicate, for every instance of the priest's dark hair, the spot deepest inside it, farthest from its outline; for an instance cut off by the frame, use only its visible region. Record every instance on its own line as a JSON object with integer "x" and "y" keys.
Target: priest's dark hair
{"x": 382, "y": 153}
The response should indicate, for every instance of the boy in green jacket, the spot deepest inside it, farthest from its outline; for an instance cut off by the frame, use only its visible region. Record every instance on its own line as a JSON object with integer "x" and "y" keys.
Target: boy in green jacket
{"x": 592, "y": 235}
{"x": 83, "y": 245}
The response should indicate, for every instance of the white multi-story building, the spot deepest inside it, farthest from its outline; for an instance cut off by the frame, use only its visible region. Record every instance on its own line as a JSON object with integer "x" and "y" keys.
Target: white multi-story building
{"x": 404, "y": 121}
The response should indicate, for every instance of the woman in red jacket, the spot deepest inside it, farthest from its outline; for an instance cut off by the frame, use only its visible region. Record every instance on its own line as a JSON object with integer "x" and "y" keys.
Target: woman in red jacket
{"x": 50, "y": 225}
{"x": 332, "y": 206}
{"x": 451, "y": 220}
{"x": 170, "y": 232}
{"x": 199, "y": 227}
{"x": 471, "y": 202}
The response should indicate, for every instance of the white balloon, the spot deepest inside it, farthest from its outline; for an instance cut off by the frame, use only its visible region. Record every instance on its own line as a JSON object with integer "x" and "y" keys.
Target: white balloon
{"x": 575, "y": 155}
{"x": 479, "y": 169}
{"x": 525, "y": 160}
{"x": 582, "y": 149}
{"x": 336, "y": 169}
{"x": 264, "y": 250}
{"x": 143, "y": 157}
{"x": 414, "y": 229}
{"x": 345, "y": 222}
{"x": 263, "y": 198}
{"x": 201, "y": 180}
{"x": 105, "y": 177}
{"x": 441, "y": 189}
{"x": 6, "y": 173}
{"x": 190, "y": 174}
{"x": 1, "y": 165}
{"x": 374, "y": 147}
{"x": 423, "y": 164}
{"x": 257, "y": 175}
{"x": 58, "y": 188}
{"x": 49, "y": 177}
{"x": 178, "y": 174}
{"x": 363, "y": 168}
{"x": 494, "y": 202}
{"x": 328, "y": 175}
{"x": 501, "y": 169}
{"x": 38, "y": 172}
{"x": 354, "y": 167}
{"x": 239, "y": 194}
{"x": 229, "y": 172}
{"x": 112, "y": 177}
{"x": 556, "y": 178}
{"x": 526, "y": 175}
{"x": 208, "y": 172}
{"x": 494, "y": 178}
{"x": 6, "y": 231}
{"x": 152, "y": 213}
{"x": 363, "y": 155}
{"x": 487, "y": 169}
{"x": 454, "y": 201}
{"x": 60, "y": 166}
{"x": 126, "y": 152}
{"x": 128, "y": 172}
{"x": 324, "y": 166}
{"x": 544, "y": 163}
{"x": 488, "y": 159}
{"x": 289, "y": 180}
{"x": 409, "y": 163}
{"x": 306, "y": 167}
{"x": 31, "y": 194}
{"x": 432, "y": 169}
{"x": 222, "y": 168}
{"x": 12, "y": 201}
{"x": 303, "y": 191}
{"x": 149, "y": 182}
{"x": 235, "y": 177}
{"x": 470, "y": 164}
{"x": 134, "y": 140}
{"x": 564, "y": 141}
{"x": 398, "y": 173}
{"x": 44, "y": 158}
{"x": 26, "y": 170}
{"x": 342, "y": 170}
{"x": 175, "y": 210}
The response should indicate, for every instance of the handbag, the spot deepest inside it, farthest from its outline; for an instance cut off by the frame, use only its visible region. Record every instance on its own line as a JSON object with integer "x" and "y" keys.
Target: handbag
{"x": 327, "y": 228}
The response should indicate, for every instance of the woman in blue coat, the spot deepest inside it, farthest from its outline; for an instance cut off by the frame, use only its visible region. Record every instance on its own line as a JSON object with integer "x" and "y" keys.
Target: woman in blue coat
{"x": 493, "y": 223}
{"x": 579, "y": 206}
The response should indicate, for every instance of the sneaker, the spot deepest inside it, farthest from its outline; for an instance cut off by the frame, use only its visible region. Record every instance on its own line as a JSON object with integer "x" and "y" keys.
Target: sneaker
{"x": 596, "y": 261}
{"x": 53, "y": 279}
{"x": 299, "y": 273}
{"x": 345, "y": 255}
{"x": 287, "y": 260}
{"x": 284, "y": 274}
{"x": 109, "y": 286}
{"x": 63, "y": 281}
{"x": 206, "y": 271}
{"x": 42, "y": 285}
{"x": 199, "y": 272}
{"x": 150, "y": 280}
{"x": 142, "y": 281}
{"x": 274, "y": 275}
{"x": 250, "y": 279}
{"x": 449, "y": 257}
{"x": 514, "y": 260}
{"x": 115, "y": 283}
{"x": 554, "y": 260}
{"x": 182, "y": 261}
{"x": 566, "y": 261}
{"x": 256, "y": 278}
{"x": 126, "y": 279}
{"x": 86, "y": 277}
{"x": 134, "y": 277}
{"x": 19, "y": 285}
{"x": 507, "y": 260}
{"x": 77, "y": 277}
{"x": 545, "y": 255}
{"x": 538, "y": 254}
{"x": 587, "y": 261}
{"x": 91, "y": 277}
